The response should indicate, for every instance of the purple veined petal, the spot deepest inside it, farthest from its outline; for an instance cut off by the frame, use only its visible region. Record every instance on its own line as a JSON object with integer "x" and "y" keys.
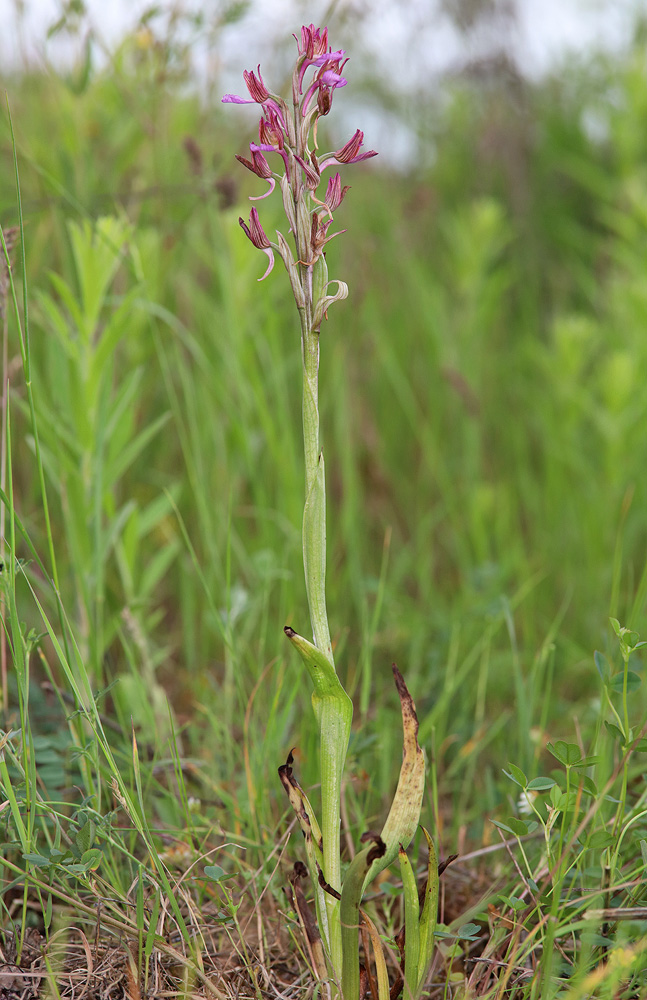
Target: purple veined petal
{"x": 270, "y": 133}
{"x": 256, "y": 147}
{"x": 335, "y": 194}
{"x": 258, "y": 164}
{"x": 332, "y": 161}
{"x": 347, "y": 153}
{"x": 314, "y": 41}
{"x": 271, "y": 104}
{"x": 257, "y": 89}
{"x": 254, "y": 231}
{"x": 233, "y": 99}
{"x": 312, "y": 176}
{"x": 350, "y": 153}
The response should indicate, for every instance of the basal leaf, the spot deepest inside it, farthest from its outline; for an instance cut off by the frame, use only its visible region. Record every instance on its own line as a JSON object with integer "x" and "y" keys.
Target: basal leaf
{"x": 404, "y": 815}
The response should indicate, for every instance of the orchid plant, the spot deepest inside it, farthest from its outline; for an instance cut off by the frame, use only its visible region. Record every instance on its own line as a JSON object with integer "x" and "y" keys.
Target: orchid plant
{"x": 288, "y": 131}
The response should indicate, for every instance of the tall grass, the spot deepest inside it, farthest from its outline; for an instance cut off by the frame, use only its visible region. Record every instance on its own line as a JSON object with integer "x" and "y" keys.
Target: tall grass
{"x": 487, "y": 518}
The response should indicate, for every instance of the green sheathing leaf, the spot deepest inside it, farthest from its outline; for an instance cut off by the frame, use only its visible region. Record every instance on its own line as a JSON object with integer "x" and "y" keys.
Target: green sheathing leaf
{"x": 411, "y": 926}
{"x": 351, "y": 898}
{"x": 428, "y": 916}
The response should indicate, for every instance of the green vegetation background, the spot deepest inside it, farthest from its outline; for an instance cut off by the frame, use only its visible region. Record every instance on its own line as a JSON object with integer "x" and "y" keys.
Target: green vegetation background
{"x": 483, "y": 410}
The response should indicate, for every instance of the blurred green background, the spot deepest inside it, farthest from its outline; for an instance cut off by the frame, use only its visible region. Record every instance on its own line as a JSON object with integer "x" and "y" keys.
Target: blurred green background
{"x": 483, "y": 406}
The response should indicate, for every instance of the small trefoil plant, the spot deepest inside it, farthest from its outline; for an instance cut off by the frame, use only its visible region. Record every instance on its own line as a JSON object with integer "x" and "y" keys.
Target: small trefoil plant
{"x": 288, "y": 141}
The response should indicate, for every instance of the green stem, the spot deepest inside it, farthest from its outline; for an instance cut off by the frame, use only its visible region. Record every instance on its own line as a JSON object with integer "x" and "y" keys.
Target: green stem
{"x": 334, "y": 717}
{"x": 314, "y": 515}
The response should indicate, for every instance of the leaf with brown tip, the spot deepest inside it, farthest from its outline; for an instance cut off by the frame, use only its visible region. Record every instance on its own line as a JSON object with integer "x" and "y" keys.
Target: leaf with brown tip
{"x": 404, "y": 814}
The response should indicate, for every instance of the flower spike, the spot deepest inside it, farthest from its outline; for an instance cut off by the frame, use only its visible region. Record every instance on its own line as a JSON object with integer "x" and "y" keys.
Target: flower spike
{"x": 291, "y": 134}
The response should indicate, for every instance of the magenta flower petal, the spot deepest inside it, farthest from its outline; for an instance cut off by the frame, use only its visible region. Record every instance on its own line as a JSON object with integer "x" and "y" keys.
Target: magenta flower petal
{"x": 254, "y": 232}
{"x": 257, "y": 89}
{"x": 335, "y": 194}
{"x": 259, "y": 197}
{"x": 333, "y": 57}
{"x": 270, "y": 256}
{"x": 258, "y": 164}
{"x": 350, "y": 153}
{"x": 233, "y": 99}
{"x": 312, "y": 176}
{"x": 314, "y": 41}
{"x": 271, "y": 129}
{"x": 332, "y": 79}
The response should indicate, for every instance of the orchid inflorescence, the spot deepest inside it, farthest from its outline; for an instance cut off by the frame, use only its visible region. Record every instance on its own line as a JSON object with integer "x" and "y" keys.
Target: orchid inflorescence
{"x": 288, "y": 133}
{"x": 333, "y": 942}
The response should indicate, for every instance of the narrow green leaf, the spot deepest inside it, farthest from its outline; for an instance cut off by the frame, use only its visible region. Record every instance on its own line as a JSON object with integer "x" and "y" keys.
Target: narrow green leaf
{"x": 139, "y": 899}
{"x": 152, "y": 924}
{"x": 322, "y": 673}
{"x": 429, "y": 915}
{"x": 16, "y": 812}
{"x": 351, "y": 897}
{"x": 334, "y": 712}
{"x": 131, "y": 452}
{"x": 383, "y": 991}
{"x": 643, "y": 851}
{"x": 411, "y": 927}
